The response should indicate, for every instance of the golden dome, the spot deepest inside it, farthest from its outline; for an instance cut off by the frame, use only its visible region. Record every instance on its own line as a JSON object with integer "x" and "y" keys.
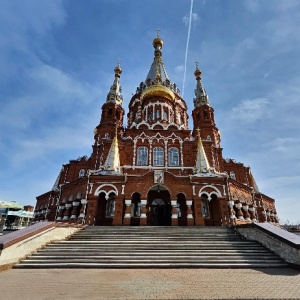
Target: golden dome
{"x": 197, "y": 73}
{"x": 158, "y": 90}
{"x": 118, "y": 69}
{"x": 157, "y": 41}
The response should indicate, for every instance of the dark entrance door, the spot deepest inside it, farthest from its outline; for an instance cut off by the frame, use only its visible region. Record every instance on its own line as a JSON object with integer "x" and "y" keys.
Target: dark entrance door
{"x": 160, "y": 213}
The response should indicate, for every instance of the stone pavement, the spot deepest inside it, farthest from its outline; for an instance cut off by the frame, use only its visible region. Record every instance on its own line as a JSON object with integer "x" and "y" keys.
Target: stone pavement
{"x": 150, "y": 284}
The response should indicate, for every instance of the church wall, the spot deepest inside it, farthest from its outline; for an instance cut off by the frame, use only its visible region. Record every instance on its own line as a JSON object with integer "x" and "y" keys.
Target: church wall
{"x": 120, "y": 167}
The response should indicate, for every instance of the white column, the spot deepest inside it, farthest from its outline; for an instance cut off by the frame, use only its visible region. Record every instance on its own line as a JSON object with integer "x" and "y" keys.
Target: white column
{"x": 189, "y": 209}
{"x": 127, "y": 209}
{"x": 166, "y": 153}
{"x": 181, "y": 153}
{"x": 143, "y": 210}
{"x": 174, "y": 209}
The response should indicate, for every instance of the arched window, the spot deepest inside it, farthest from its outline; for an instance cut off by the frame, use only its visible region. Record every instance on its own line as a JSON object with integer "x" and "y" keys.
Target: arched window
{"x": 165, "y": 116}
{"x": 81, "y": 173}
{"x": 173, "y": 157}
{"x": 158, "y": 156}
{"x": 157, "y": 114}
{"x": 110, "y": 206}
{"x": 142, "y": 156}
{"x": 136, "y": 205}
{"x": 204, "y": 206}
{"x": 232, "y": 175}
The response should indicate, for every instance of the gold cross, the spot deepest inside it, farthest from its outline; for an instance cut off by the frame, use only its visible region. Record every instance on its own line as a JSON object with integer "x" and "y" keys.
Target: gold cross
{"x": 157, "y": 32}
{"x": 197, "y": 64}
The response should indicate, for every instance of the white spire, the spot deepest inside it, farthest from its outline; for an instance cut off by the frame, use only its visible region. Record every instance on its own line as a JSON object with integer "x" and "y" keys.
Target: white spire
{"x": 114, "y": 94}
{"x": 200, "y": 93}
{"x": 202, "y": 165}
{"x": 113, "y": 158}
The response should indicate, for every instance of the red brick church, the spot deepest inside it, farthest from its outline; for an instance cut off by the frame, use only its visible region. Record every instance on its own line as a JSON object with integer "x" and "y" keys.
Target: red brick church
{"x": 156, "y": 171}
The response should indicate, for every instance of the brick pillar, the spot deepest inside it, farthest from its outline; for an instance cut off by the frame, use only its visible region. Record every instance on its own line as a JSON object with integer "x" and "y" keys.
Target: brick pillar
{"x": 264, "y": 216}
{"x": 127, "y": 215}
{"x": 118, "y": 216}
{"x": 199, "y": 220}
{"x": 252, "y": 213}
{"x": 239, "y": 212}
{"x": 143, "y": 218}
{"x": 67, "y": 211}
{"x": 174, "y": 213}
{"x": 268, "y": 215}
{"x": 231, "y": 212}
{"x": 190, "y": 218}
{"x": 82, "y": 212}
{"x": 275, "y": 216}
{"x": 60, "y": 213}
{"x": 75, "y": 211}
{"x": 246, "y": 213}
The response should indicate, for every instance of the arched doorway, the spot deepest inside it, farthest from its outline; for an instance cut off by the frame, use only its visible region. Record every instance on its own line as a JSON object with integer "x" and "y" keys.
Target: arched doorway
{"x": 181, "y": 210}
{"x": 135, "y": 209}
{"x": 105, "y": 209}
{"x": 211, "y": 210}
{"x": 159, "y": 206}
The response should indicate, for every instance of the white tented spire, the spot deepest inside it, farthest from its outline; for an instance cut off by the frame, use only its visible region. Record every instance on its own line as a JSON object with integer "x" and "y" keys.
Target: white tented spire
{"x": 202, "y": 165}
{"x": 114, "y": 95}
{"x": 113, "y": 158}
{"x": 200, "y": 93}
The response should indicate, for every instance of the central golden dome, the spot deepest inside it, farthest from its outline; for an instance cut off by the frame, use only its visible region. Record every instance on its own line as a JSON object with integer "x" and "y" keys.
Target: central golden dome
{"x": 157, "y": 90}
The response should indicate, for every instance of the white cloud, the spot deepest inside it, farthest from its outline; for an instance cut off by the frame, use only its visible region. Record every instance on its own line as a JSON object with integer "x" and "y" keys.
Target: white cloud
{"x": 195, "y": 19}
{"x": 250, "y": 110}
{"x": 179, "y": 69}
{"x": 49, "y": 89}
{"x": 51, "y": 141}
{"x": 287, "y": 146}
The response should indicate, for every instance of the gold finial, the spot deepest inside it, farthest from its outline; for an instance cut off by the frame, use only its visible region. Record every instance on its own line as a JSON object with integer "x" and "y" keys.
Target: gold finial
{"x": 157, "y": 42}
{"x": 118, "y": 69}
{"x": 197, "y": 73}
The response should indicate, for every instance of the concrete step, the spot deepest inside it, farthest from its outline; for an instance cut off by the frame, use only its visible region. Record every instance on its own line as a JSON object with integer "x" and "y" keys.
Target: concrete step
{"x": 155, "y": 265}
{"x": 153, "y": 247}
{"x": 147, "y": 258}
{"x": 75, "y": 252}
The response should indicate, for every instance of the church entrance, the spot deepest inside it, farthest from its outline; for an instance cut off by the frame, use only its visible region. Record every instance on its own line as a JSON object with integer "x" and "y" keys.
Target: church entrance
{"x": 211, "y": 210}
{"x": 159, "y": 207}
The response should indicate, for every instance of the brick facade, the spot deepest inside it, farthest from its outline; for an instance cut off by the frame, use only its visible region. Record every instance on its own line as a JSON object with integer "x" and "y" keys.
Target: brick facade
{"x": 156, "y": 171}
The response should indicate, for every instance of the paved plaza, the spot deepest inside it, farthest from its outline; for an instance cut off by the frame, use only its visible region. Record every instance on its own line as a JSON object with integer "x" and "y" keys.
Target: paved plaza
{"x": 150, "y": 284}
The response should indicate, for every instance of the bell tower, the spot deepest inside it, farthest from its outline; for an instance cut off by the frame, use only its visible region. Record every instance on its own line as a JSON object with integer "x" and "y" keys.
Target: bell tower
{"x": 203, "y": 118}
{"x": 111, "y": 123}
{"x": 112, "y": 110}
{"x": 203, "y": 113}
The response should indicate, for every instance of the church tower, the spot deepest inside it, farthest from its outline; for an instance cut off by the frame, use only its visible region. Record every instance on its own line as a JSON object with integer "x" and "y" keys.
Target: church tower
{"x": 203, "y": 118}
{"x": 111, "y": 124}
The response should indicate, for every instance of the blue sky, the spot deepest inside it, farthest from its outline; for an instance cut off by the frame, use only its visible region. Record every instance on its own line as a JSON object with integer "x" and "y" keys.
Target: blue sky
{"x": 56, "y": 67}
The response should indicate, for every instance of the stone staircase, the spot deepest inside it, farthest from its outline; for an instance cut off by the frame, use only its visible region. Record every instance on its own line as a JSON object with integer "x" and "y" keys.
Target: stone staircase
{"x": 153, "y": 247}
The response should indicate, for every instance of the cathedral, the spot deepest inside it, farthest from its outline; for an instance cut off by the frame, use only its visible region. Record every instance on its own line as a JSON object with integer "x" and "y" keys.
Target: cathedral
{"x": 156, "y": 171}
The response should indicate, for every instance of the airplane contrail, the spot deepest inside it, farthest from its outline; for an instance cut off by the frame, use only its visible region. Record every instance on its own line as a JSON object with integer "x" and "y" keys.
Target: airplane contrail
{"x": 187, "y": 46}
